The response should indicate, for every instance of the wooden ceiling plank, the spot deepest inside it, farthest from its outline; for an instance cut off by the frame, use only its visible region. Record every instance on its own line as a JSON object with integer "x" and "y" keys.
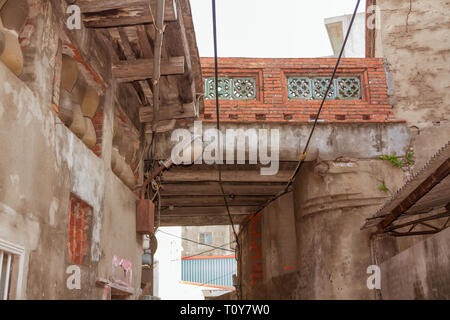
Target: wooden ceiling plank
{"x": 212, "y": 201}
{"x": 116, "y": 13}
{"x": 169, "y": 85}
{"x": 141, "y": 69}
{"x": 157, "y": 46}
{"x": 145, "y": 91}
{"x": 207, "y": 210}
{"x": 167, "y": 112}
{"x": 91, "y": 6}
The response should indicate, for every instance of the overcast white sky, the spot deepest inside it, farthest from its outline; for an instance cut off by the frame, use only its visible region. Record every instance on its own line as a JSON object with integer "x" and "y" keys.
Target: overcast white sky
{"x": 268, "y": 28}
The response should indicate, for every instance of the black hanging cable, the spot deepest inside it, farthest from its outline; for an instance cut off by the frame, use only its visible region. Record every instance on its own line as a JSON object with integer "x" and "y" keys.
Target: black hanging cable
{"x": 200, "y": 254}
{"x": 216, "y": 78}
{"x": 302, "y": 159}
{"x": 303, "y": 156}
{"x": 193, "y": 241}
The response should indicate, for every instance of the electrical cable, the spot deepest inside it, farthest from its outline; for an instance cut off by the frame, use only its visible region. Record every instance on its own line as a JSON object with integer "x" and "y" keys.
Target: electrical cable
{"x": 200, "y": 253}
{"x": 190, "y": 240}
{"x": 303, "y": 156}
{"x": 219, "y": 141}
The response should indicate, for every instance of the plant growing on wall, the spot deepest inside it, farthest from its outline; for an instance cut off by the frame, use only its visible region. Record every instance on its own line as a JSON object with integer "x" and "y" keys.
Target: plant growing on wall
{"x": 410, "y": 157}
{"x": 396, "y": 161}
{"x": 382, "y": 186}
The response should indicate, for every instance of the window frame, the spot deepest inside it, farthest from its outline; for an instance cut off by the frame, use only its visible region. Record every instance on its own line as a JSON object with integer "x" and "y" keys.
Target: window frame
{"x": 18, "y": 251}
{"x": 204, "y": 238}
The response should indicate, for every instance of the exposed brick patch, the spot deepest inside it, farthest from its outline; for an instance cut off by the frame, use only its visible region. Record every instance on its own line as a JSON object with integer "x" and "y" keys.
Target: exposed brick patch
{"x": 97, "y": 121}
{"x": 79, "y": 229}
{"x": 271, "y": 81}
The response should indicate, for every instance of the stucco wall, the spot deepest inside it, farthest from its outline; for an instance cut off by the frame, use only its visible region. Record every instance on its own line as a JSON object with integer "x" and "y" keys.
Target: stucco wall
{"x": 413, "y": 39}
{"x": 420, "y": 272}
{"x": 42, "y": 162}
{"x": 329, "y": 203}
{"x": 269, "y": 253}
{"x": 330, "y": 140}
{"x": 222, "y": 237}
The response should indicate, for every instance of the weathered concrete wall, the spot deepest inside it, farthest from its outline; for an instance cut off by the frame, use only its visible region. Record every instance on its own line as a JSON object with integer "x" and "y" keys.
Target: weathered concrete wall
{"x": 420, "y": 272}
{"x": 222, "y": 236}
{"x": 269, "y": 253}
{"x": 329, "y": 203}
{"x": 330, "y": 141}
{"x": 414, "y": 41}
{"x": 42, "y": 163}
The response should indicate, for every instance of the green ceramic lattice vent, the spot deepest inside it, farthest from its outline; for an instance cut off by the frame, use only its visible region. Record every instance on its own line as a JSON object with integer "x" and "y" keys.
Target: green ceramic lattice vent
{"x": 231, "y": 88}
{"x": 343, "y": 88}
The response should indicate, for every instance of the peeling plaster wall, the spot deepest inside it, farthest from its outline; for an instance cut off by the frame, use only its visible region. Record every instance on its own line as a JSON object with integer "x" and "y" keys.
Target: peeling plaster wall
{"x": 330, "y": 141}
{"x": 329, "y": 203}
{"x": 414, "y": 40}
{"x": 420, "y": 272}
{"x": 220, "y": 235}
{"x": 42, "y": 162}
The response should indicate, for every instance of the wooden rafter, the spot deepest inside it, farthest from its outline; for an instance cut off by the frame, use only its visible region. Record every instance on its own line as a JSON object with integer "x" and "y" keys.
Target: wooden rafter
{"x": 160, "y": 4}
{"x": 141, "y": 69}
{"x": 167, "y": 112}
{"x": 146, "y": 93}
{"x": 117, "y": 13}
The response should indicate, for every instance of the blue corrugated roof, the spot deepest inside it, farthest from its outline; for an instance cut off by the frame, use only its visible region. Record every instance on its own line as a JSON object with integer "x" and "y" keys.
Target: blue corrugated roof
{"x": 209, "y": 270}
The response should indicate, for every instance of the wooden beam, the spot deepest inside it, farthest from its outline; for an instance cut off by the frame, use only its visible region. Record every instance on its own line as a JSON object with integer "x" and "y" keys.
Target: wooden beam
{"x": 157, "y": 61}
{"x": 116, "y": 13}
{"x": 212, "y": 201}
{"x": 144, "y": 42}
{"x": 167, "y": 221}
{"x": 91, "y": 6}
{"x": 213, "y": 189}
{"x": 146, "y": 91}
{"x": 127, "y": 71}
{"x": 169, "y": 86}
{"x": 187, "y": 84}
{"x": 230, "y": 173}
{"x": 167, "y": 112}
{"x": 146, "y": 52}
{"x": 207, "y": 210}
{"x": 370, "y": 32}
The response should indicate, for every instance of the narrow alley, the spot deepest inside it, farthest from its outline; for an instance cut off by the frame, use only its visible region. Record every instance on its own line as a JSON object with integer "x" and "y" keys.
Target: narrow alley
{"x": 146, "y": 155}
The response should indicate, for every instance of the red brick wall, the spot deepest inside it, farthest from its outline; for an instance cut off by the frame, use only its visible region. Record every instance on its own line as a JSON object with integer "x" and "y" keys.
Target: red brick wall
{"x": 272, "y": 103}
{"x": 97, "y": 121}
{"x": 78, "y": 245}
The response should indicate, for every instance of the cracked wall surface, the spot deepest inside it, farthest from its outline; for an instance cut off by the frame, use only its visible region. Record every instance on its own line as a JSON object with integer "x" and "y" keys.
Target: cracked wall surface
{"x": 42, "y": 163}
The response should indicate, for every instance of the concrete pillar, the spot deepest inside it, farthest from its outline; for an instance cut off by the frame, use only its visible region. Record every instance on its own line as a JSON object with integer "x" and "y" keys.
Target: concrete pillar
{"x": 330, "y": 208}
